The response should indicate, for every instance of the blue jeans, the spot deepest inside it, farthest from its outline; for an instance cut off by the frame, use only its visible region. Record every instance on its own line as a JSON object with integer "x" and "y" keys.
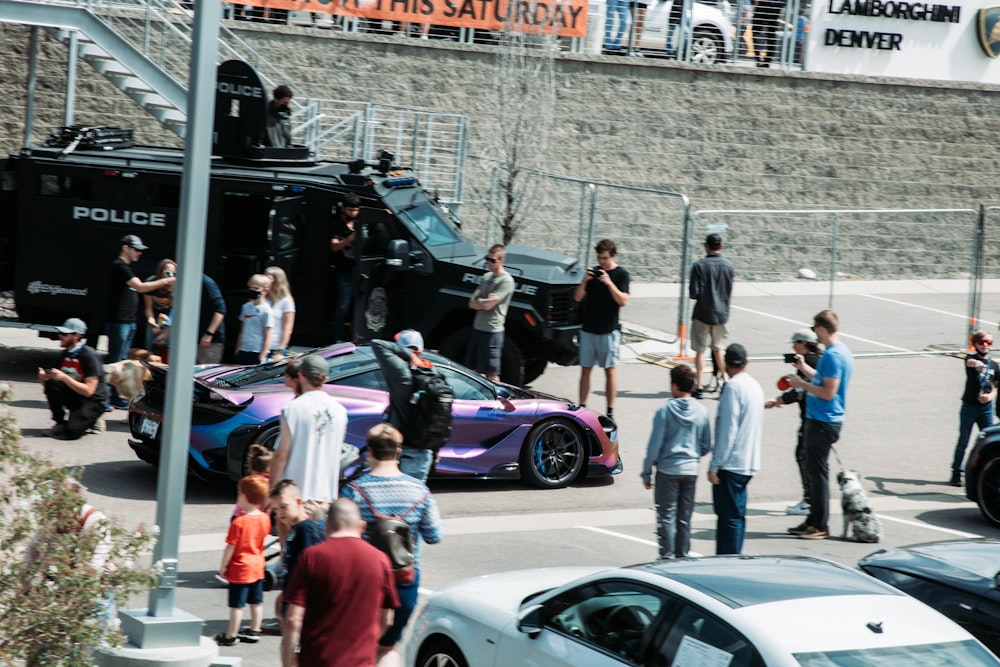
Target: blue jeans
{"x": 674, "y": 498}
{"x": 730, "y": 499}
{"x": 416, "y": 462}
{"x": 982, "y": 416}
{"x": 120, "y": 335}
{"x": 616, "y": 9}
{"x": 818, "y": 438}
{"x": 408, "y": 594}
{"x": 341, "y": 312}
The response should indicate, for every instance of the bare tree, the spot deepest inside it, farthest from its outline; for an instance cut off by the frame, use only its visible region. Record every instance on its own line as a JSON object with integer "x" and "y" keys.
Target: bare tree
{"x": 525, "y": 86}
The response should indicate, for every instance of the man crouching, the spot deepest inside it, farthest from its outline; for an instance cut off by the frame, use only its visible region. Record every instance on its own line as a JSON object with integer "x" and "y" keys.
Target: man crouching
{"x": 75, "y": 386}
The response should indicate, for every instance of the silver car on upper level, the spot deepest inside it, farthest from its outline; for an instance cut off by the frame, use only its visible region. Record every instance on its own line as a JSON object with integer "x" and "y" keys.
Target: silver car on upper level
{"x": 712, "y": 31}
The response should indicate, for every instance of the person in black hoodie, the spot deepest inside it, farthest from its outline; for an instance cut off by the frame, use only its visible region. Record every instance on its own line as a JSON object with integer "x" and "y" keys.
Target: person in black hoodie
{"x": 396, "y": 359}
{"x": 807, "y": 351}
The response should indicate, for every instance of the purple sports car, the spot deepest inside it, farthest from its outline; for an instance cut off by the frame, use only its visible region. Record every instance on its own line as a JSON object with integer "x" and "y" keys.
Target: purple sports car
{"x": 499, "y": 431}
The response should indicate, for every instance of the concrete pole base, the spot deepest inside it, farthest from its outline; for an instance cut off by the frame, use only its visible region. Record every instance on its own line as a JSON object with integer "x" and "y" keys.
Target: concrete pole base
{"x": 202, "y": 655}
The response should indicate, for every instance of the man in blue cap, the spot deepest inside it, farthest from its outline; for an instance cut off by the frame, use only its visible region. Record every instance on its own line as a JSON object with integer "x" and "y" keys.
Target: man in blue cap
{"x": 75, "y": 386}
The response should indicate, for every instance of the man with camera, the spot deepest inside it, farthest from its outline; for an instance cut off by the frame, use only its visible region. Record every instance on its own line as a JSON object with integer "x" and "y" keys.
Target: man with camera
{"x": 603, "y": 291}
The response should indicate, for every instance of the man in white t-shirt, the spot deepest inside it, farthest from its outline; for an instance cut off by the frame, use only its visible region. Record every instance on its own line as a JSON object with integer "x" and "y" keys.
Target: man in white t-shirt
{"x": 313, "y": 426}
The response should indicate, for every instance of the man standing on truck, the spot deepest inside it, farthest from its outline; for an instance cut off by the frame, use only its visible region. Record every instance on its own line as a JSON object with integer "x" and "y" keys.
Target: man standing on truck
{"x": 278, "y": 127}
{"x": 603, "y": 291}
{"x": 123, "y": 290}
{"x": 491, "y": 298}
{"x": 75, "y": 386}
{"x": 342, "y": 236}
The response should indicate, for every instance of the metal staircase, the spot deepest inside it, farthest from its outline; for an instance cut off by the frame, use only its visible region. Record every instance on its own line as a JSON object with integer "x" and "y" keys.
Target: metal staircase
{"x": 143, "y": 48}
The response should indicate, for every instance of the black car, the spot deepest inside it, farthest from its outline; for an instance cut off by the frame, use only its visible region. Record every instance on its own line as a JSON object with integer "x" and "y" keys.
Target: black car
{"x": 982, "y": 474}
{"x": 959, "y": 578}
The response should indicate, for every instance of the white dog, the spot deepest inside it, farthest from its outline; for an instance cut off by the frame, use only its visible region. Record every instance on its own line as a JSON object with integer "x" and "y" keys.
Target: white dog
{"x": 128, "y": 376}
{"x": 858, "y": 514}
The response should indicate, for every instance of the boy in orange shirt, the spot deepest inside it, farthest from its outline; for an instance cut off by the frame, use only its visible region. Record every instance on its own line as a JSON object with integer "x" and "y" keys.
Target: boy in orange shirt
{"x": 243, "y": 562}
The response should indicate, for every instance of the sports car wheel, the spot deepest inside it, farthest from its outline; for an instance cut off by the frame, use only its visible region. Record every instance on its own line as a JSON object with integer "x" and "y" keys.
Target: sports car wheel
{"x": 553, "y": 454}
{"x": 441, "y": 653}
{"x": 988, "y": 486}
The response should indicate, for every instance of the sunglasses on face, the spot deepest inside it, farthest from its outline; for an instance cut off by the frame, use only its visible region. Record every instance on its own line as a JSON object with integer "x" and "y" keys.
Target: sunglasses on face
{"x": 493, "y": 260}
{"x": 169, "y": 274}
{"x": 985, "y": 341}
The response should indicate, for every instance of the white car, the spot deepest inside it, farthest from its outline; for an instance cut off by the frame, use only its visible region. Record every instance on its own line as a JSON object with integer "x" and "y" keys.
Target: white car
{"x": 726, "y": 611}
{"x": 712, "y": 33}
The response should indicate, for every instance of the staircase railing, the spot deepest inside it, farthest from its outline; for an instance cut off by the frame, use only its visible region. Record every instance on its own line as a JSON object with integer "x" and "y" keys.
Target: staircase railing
{"x": 432, "y": 143}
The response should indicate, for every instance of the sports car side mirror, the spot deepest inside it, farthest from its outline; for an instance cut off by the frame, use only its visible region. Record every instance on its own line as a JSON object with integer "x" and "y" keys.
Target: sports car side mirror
{"x": 529, "y": 621}
{"x": 506, "y": 404}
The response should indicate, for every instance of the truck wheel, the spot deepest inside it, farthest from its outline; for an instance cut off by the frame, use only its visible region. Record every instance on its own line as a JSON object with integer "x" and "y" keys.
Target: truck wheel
{"x": 988, "y": 485}
{"x": 553, "y": 454}
{"x": 511, "y": 363}
{"x": 511, "y": 358}
{"x": 533, "y": 367}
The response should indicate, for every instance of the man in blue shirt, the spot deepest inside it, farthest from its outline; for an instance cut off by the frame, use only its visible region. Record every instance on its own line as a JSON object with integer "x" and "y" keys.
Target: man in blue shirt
{"x": 826, "y": 396}
{"x": 739, "y": 425}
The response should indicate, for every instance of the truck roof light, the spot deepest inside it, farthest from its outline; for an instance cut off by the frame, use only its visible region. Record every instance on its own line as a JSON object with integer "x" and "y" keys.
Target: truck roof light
{"x": 400, "y": 181}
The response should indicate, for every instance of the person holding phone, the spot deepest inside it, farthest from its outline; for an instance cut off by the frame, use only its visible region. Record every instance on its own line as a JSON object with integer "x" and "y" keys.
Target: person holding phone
{"x": 807, "y": 351}
{"x": 75, "y": 389}
{"x": 603, "y": 292}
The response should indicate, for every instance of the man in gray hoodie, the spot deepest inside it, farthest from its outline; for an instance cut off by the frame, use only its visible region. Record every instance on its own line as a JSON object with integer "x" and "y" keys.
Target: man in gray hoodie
{"x": 681, "y": 435}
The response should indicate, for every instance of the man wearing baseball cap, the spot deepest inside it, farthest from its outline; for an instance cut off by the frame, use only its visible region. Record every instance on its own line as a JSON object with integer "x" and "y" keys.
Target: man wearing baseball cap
{"x": 75, "y": 385}
{"x": 313, "y": 426}
{"x": 123, "y": 290}
{"x": 397, "y": 361}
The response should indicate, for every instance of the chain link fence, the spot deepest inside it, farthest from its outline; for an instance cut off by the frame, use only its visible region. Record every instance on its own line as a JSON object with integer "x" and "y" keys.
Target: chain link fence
{"x": 569, "y": 215}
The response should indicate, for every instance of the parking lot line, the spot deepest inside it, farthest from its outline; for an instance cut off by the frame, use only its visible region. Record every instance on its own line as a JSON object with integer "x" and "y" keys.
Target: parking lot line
{"x": 623, "y": 536}
{"x": 960, "y": 316}
{"x": 799, "y": 323}
{"x": 921, "y": 524}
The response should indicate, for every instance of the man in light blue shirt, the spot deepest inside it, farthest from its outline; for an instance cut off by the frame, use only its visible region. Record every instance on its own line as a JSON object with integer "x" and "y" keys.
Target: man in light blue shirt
{"x": 739, "y": 426}
{"x": 826, "y": 398}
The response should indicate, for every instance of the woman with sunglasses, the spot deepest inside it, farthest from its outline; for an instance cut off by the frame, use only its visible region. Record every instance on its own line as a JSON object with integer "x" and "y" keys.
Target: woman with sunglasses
{"x": 981, "y": 377}
{"x": 158, "y": 304}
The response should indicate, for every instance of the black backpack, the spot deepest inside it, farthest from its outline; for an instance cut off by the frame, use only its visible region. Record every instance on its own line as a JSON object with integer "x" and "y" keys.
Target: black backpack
{"x": 428, "y": 424}
{"x": 392, "y": 536}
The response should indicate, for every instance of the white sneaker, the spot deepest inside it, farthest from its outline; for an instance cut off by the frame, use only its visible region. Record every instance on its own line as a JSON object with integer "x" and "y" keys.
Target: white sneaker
{"x": 99, "y": 426}
{"x": 800, "y": 508}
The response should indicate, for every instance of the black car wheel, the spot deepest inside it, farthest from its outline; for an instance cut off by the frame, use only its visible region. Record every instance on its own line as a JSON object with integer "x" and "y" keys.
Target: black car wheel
{"x": 553, "y": 454}
{"x": 441, "y": 653}
{"x": 988, "y": 486}
{"x": 707, "y": 46}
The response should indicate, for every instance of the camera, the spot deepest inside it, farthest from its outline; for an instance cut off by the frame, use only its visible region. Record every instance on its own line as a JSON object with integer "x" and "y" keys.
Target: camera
{"x": 596, "y": 271}
{"x": 789, "y": 357}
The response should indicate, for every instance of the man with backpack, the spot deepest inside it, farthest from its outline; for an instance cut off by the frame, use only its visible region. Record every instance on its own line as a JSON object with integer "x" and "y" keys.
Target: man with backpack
{"x": 388, "y": 499}
{"x": 420, "y": 401}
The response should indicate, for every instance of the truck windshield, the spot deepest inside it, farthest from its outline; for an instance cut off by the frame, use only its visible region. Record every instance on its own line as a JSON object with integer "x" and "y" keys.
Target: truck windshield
{"x": 428, "y": 225}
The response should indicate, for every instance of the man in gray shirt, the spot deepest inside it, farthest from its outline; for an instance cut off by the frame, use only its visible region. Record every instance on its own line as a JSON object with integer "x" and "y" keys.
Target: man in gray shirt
{"x": 491, "y": 300}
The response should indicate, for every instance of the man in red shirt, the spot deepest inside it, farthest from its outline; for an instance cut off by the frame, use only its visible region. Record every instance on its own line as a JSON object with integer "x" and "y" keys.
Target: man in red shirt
{"x": 341, "y": 597}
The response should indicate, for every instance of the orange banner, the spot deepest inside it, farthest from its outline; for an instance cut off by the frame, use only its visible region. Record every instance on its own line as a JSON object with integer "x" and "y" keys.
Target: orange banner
{"x": 566, "y": 18}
